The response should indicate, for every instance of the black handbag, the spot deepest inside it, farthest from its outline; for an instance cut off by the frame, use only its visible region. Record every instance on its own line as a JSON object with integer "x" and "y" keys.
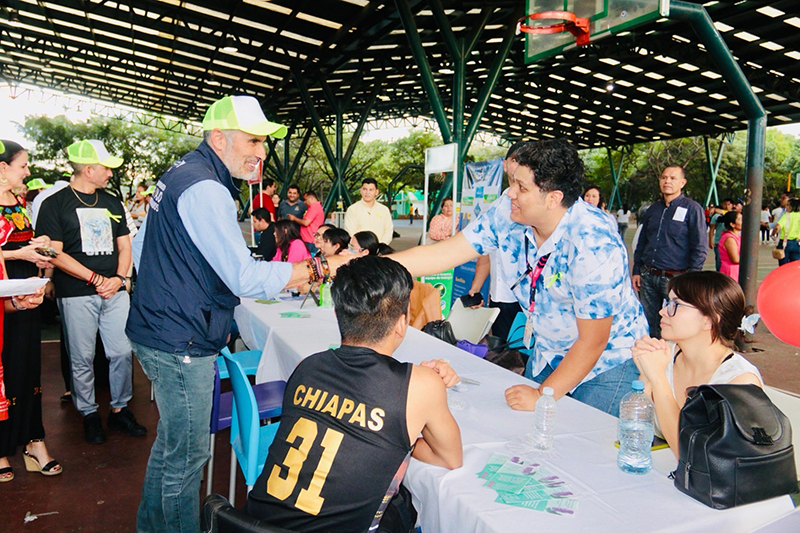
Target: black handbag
{"x": 735, "y": 447}
{"x": 441, "y": 329}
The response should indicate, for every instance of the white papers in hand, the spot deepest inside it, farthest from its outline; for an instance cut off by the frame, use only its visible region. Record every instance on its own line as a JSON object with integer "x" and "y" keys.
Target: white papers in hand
{"x": 20, "y": 287}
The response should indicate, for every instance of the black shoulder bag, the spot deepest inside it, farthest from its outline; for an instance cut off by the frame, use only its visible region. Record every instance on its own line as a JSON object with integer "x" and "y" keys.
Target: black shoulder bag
{"x": 441, "y": 329}
{"x": 735, "y": 447}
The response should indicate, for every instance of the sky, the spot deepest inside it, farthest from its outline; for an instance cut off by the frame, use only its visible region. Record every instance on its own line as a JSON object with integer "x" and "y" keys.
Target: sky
{"x": 51, "y": 104}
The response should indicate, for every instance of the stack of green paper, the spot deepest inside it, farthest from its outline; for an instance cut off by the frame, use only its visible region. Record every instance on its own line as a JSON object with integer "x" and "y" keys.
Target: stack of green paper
{"x": 528, "y": 484}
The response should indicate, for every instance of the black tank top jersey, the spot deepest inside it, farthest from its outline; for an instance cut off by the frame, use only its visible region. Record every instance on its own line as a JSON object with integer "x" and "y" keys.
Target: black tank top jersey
{"x": 343, "y": 436}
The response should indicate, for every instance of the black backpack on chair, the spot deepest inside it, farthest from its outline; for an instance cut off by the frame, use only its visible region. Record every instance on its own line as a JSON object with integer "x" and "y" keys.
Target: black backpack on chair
{"x": 735, "y": 447}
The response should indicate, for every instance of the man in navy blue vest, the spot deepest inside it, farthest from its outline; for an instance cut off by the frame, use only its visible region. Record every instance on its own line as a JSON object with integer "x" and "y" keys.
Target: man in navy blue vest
{"x": 194, "y": 266}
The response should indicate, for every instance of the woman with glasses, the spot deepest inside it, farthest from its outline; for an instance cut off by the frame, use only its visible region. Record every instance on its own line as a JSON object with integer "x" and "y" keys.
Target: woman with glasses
{"x": 702, "y": 317}
{"x": 318, "y": 236}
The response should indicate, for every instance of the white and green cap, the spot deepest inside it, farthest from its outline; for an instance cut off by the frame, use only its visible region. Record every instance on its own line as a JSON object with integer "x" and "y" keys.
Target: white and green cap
{"x": 242, "y": 113}
{"x": 37, "y": 183}
{"x": 92, "y": 152}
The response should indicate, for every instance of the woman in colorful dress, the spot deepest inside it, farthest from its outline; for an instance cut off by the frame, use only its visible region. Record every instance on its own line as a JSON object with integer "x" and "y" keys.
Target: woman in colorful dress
{"x": 21, "y": 354}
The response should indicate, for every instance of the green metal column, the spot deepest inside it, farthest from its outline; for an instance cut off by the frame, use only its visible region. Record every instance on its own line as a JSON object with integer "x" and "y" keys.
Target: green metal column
{"x": 338, "y": 160}
{"x": 460, "y": 50}
{"x": 713, "y": 169}
{"x": 615, "y": 174}
{"x": 734, "y": 78}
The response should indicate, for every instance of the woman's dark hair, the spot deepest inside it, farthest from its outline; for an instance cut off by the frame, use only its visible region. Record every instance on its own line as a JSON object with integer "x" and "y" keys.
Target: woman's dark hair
{"x": 9, "y": 150}
{"x": 625, "y": 208}
{"x": 285, "y": 232}
{"x": 556, "y": 166}
{"x": 337, "y": 237}
{"x": 385, "y": 249}
{"x": 368, "y": 241}
{"x": 717, "y": 297}
{"x": 794, "y": 205}
{"x": 729, "y": 219}
{"x": 370, "y": 294}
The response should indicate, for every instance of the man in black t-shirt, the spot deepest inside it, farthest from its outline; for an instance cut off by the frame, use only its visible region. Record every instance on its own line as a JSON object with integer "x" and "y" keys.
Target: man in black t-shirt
{"x": 352, "y": 417}
{"x": 86, "y": 226}
{"x": 266, "y": 248}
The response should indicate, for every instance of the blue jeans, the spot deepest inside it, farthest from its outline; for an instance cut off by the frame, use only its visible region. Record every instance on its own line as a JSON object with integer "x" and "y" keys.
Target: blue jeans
{"x": 652, "y": 293}
{"x": 604, "y": 391}
{"x": 183, "y": 390}
{"x": 792, "y": 251}
{"x": 82, "y": 317}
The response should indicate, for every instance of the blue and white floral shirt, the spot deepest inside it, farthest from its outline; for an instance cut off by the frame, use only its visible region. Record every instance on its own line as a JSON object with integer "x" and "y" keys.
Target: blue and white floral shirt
{"x": 586, "y": 276}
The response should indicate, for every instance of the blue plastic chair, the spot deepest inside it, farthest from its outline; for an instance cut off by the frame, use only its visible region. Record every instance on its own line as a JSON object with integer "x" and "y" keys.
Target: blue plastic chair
{"x": 249, "y": 440}
{"x": 249, "y": 360}
{"x": 269, "y": 397}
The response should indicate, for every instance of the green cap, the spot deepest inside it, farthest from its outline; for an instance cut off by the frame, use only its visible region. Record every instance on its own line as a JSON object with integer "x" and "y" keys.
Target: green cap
{"x": 37, "y": 183}
{"x": 150, "y": 190}
{"x": 92, "y": 152}
{"x": 242, "y": 113}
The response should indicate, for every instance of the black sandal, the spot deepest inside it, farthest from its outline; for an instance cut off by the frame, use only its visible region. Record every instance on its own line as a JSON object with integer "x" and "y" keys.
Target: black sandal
{"x": 32, "y": 464}
{"x": 6, "y": 470}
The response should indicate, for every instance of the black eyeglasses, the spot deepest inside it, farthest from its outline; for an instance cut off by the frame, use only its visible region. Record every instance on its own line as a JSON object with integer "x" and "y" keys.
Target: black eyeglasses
{"x": 672, "y": 306}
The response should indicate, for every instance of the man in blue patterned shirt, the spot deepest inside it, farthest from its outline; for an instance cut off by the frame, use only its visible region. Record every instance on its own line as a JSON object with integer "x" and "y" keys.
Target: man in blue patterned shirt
{"x": 586, "y": 316}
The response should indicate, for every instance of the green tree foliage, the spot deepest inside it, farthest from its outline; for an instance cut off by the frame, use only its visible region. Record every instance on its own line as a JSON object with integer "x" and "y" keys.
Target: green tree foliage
{"x": 147, "y": 151}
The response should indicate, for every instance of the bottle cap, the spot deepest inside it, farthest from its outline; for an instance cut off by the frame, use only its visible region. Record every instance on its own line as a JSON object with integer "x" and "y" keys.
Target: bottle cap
{"x": 547, "y": 391}
{"x": 638, "y": 385}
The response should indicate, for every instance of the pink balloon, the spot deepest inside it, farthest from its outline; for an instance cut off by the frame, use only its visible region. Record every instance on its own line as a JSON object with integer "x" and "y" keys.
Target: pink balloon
{"x": 778, "y": 302}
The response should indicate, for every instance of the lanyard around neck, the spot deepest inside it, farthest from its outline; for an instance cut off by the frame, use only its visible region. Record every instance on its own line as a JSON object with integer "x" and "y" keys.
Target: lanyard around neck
{"x": 534, "y": 273}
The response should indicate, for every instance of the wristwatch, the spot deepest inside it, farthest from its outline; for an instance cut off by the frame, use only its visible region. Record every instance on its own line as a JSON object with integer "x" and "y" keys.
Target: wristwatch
{"x": 123, "y": 279}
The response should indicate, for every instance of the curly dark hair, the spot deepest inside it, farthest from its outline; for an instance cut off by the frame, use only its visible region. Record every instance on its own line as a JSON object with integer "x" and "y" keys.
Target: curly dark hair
{"x": 556, "y": 166}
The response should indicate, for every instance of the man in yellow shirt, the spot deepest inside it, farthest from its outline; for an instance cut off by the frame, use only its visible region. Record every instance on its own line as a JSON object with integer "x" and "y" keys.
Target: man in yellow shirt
{"x": 369, "y": 215}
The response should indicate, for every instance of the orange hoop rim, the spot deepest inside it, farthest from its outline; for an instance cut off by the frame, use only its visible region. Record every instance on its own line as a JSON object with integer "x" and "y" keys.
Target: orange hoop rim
{"x": 577, "y": 26}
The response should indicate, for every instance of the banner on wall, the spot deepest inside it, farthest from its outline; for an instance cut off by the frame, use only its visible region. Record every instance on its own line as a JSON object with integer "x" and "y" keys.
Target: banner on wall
{"x": 481, "y": 185}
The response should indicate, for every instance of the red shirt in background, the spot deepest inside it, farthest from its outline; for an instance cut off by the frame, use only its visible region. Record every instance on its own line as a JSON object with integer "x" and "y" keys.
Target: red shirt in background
{"x": 264, "y": 200}
{"x": 316, "y": 215}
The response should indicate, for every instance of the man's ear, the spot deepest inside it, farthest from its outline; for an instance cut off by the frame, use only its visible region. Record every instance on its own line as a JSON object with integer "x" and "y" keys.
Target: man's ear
{"x": 554, "y": 199}
{"x": 217, "y": 140}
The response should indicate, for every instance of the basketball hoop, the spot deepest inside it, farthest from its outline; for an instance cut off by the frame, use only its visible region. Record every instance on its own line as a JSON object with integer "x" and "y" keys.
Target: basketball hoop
{"x": 577, "y": 26}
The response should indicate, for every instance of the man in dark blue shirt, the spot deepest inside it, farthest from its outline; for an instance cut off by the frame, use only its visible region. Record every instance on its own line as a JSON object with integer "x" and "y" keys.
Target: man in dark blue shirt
{"x": 672, "y": 241}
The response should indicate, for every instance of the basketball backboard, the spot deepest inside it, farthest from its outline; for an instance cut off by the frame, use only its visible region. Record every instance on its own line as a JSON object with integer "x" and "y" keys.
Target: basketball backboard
{"x": 606, "y": 17}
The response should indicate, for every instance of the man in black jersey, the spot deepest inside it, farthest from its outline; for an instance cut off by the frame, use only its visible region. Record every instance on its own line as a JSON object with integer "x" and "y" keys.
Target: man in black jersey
{"x": 353, "y": 416}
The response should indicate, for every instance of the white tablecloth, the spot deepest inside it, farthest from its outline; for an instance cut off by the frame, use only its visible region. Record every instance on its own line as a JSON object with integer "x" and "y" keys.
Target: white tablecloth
{"x": 456, "y": 501}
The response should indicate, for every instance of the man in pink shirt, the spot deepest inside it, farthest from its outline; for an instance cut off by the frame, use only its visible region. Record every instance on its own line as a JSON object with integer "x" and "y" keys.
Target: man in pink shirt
{"x": 311, "y": 221}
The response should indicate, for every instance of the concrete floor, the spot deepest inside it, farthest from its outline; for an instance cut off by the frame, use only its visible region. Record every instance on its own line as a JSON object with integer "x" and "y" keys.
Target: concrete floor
{"x": 100, "y": 487}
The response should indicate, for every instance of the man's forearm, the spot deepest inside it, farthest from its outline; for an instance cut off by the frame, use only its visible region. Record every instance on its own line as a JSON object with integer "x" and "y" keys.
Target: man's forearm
{"x": 436, "y": 258}
{"x": 423, "y": 452}
{"x": 66, "y": 263}
{"x": 124, "y": 260}
{"x": 482, "y": 270}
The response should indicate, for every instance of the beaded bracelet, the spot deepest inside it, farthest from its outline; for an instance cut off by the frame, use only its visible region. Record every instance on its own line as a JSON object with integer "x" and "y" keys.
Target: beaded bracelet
{"x": 318, "y": 266}
{"x": 326, "y": 271}
{"x": 312, "y": 274}
{"x": 16, "y": 304}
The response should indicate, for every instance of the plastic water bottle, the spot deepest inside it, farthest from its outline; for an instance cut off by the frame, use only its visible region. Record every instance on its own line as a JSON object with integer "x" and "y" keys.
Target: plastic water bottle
{"x": 544, "y": 419}
{"x": 325, "y": 299}
{"x": 636, "y": 414}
